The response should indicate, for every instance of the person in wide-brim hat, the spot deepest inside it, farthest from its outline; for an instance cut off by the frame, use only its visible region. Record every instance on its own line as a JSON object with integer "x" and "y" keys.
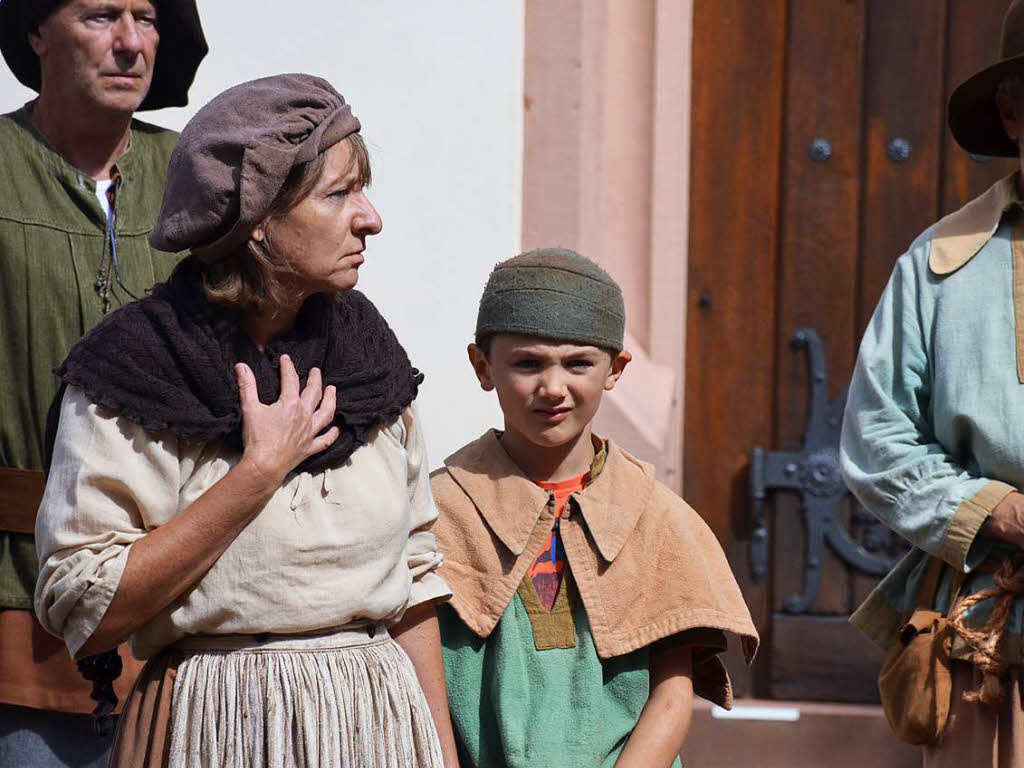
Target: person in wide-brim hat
{"x": 931, "y": 445}
{"x": 975, "y": 117}
{"x": 182, "y": 47}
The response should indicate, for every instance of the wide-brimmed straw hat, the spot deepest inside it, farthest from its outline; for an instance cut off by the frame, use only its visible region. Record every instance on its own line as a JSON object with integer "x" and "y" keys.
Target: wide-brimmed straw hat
{"x": 973, "y": 112}
{"x": 182, "y": 47}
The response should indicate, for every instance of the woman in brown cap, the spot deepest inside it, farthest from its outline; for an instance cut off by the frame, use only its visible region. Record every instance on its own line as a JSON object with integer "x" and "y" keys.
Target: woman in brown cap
{"x": 238, "y": 478}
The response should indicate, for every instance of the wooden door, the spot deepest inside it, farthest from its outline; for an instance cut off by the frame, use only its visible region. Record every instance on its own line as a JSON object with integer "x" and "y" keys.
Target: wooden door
{"x": 819, "y": 152}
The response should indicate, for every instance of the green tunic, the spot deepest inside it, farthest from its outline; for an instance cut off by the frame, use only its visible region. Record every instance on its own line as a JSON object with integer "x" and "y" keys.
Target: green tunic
{"x": 514, "y": 705}
{"x": 57, "y": 280}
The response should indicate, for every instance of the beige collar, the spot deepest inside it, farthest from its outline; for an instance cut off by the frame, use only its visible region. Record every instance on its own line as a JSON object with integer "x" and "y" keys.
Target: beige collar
{"x": 511, "y": 503}
{"x": 959, "y": 236}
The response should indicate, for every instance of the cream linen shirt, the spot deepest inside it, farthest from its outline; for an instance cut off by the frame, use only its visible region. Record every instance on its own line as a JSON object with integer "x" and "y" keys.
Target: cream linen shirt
{"x": 349, "y": 543}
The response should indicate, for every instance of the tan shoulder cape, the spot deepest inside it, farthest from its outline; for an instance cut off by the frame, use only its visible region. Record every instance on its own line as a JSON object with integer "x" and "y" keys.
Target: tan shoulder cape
{"x": 646, "y": 565}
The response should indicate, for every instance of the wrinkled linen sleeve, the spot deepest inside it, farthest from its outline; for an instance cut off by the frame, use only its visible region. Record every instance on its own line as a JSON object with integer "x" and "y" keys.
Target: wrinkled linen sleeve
{"x": 107, "y": 478}
{"x": 423, "y": 553}
{"x": 890, "y": 457}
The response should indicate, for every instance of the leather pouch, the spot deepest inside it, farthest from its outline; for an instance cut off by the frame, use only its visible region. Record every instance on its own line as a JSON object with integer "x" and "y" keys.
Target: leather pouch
{"x": 915, "y": 683}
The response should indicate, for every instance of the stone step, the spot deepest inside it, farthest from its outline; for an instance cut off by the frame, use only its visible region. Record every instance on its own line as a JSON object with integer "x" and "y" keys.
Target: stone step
{"x": 789, "y": 734}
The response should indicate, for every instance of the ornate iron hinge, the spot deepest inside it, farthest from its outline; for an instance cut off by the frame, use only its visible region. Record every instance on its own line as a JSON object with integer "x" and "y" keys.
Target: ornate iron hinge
{"x": 813, "y": 472}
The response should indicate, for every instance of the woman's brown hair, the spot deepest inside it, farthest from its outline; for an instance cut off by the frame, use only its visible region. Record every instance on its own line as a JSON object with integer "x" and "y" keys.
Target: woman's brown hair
{"x": 250, "y": 278}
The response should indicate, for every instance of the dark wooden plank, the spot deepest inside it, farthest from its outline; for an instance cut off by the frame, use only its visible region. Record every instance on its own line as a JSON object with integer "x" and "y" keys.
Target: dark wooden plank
{"x": 904, "y": 99}
{"x": 819, "y": 247}
{"x": 860, "y": 585}
{"x": 822, "y": 658}
{"x": 972, "y": 43}
{"x": 731, "y": 289}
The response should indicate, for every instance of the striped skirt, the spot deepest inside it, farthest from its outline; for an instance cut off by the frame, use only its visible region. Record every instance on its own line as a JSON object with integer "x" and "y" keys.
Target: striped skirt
{"x": 337, "y": 699}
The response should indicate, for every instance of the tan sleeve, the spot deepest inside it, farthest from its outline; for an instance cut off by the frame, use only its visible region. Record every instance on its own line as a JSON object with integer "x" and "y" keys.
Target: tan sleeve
{"x": 424, "y": 554}
{"x": 967, "y": 520}
{"x": 108, "y": 476}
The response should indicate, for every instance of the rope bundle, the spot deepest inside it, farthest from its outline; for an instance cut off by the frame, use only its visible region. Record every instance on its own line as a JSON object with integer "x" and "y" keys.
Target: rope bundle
{"x": 1007, "y": 585}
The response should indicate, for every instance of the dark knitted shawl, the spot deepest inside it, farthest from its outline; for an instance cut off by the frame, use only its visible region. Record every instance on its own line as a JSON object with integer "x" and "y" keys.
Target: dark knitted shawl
{"x": 166, "y": 362}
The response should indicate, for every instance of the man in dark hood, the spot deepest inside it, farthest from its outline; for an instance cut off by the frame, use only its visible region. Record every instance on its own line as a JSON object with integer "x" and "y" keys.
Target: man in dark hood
{"x": 82, "y": 184}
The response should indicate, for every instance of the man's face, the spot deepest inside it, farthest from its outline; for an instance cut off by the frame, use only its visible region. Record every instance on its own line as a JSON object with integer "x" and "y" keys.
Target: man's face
{"x": 1011, "y": 110}
{"x": 103, "y": 50}
{"x": 549, "y": 391}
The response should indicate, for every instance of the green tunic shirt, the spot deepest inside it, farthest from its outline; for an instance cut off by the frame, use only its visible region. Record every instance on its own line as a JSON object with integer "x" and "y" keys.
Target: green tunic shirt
{"x": 57, "y": 278}
{"x": 514, "y": 705}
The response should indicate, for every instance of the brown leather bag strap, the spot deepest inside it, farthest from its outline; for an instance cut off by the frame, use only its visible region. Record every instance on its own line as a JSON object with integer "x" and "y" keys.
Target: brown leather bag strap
{"x": 954, "y": 588}
{"x": 929, "y": 583}
{"x": 21, "y": 491}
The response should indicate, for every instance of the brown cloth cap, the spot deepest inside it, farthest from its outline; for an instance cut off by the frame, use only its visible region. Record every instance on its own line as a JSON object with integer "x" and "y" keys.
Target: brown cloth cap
{"x": 234, "y": 155}
{"x": 973, "y": 112}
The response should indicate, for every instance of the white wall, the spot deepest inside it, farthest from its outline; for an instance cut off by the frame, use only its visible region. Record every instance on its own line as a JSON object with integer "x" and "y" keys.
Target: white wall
{"x": 438, "y": 87}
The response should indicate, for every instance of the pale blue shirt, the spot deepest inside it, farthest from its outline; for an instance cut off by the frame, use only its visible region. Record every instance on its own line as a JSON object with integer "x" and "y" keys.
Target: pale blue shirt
{"x": 933, "y": 436}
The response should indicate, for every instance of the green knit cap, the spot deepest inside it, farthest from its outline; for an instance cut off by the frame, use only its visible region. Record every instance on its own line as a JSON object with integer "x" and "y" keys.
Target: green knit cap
{"x": 556, "y": 294}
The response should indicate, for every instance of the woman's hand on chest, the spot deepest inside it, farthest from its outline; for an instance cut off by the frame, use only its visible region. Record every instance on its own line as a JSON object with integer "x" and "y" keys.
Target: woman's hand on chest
{"x": 280, "y": 436}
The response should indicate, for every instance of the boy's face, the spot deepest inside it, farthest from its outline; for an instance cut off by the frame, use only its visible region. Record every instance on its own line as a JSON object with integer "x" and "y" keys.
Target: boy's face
{"x": 549, "y": 391}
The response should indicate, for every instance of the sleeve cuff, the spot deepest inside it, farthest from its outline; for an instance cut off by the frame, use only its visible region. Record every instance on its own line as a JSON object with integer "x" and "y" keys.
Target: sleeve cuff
{"x": 967, "y": 521}
{"x": 429, "y": 588}
{"x": 87, "y": 615}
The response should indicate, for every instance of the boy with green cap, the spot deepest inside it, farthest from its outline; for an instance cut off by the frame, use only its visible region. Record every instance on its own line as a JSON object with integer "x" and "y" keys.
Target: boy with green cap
{"x": 590, "y": 602}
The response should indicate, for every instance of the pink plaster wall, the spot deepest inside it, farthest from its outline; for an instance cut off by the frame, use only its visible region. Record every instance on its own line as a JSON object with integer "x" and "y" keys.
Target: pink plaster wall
{"x": 606, "y": 171}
